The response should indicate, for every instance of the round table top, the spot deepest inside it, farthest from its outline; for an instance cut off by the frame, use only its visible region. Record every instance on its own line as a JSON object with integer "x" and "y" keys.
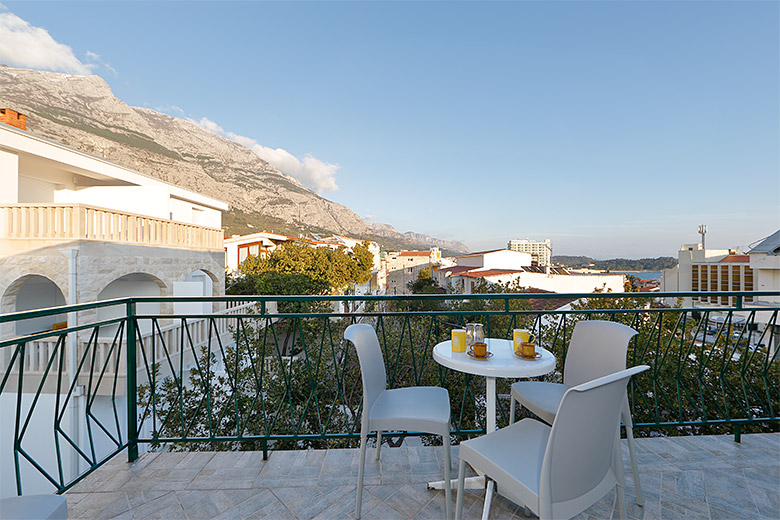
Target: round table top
{"x": 503, "y": 363}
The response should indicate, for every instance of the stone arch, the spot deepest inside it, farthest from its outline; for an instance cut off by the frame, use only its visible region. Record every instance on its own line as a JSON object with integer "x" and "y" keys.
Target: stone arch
{"x": 130, "y": 285}
{"x": 30, "y": 292}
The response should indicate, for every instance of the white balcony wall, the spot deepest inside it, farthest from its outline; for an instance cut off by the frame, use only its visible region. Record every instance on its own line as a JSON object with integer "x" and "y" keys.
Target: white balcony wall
{"x": 9, "y": 175}
{"x": 141, "y": 200}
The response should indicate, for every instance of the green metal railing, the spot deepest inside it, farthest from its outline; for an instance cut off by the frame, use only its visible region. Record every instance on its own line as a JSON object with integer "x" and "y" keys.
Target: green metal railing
{"x": 270, "y": 373}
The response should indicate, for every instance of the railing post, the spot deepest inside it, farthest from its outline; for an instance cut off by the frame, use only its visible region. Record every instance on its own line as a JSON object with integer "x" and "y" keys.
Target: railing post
{"x": 132, "y": 399}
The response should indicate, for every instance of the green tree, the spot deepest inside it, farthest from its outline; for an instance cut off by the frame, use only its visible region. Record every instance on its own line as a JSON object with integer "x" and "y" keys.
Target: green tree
{"x": 338, "y": 268}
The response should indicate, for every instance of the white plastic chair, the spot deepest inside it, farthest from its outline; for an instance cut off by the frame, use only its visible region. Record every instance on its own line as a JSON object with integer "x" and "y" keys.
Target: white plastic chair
{"x": 557, "y": 471}
{"x": 423, "y": 409}
{"x": 597, "y": 348}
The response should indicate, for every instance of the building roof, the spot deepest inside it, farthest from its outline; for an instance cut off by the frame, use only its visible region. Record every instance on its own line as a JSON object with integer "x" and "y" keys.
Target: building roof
{"x": 547, "y": 304}
{"x": 490, "y": 272}
{"x": 456, "y": 269}
{"x": 770, "y": 245}
{"x": 480, "y": 253}
{"x": 95, "y": 167}
{"x": 737, "y": 258}
{"x": 415, "y": 253}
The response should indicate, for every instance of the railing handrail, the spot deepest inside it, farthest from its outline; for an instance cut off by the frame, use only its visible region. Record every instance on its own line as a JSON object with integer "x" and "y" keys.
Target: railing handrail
{"x": 21, "y": 315}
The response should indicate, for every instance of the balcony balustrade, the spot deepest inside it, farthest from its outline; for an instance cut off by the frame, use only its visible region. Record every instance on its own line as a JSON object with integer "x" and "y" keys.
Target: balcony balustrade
{"x": 277, "y": 375}
{"x": 84, "y": 222}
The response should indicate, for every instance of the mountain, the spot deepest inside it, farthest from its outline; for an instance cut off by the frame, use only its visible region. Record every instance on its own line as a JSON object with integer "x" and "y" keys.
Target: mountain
{"x": 82, "y": 112}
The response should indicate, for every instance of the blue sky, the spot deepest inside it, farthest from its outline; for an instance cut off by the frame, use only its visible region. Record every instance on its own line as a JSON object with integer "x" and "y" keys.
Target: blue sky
{"x": 612, "y": 128}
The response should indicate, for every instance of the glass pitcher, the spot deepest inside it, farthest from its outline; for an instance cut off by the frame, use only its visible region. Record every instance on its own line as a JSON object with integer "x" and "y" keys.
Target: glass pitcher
{"x": 474, "y": 334}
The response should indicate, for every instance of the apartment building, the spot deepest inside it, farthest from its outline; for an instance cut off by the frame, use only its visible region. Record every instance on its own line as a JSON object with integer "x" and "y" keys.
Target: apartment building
{"x": 402, "y": 267}
{"x": 540, "y": 250}
{"x": 707, "y": 270}
{"x": 76, "y": 228}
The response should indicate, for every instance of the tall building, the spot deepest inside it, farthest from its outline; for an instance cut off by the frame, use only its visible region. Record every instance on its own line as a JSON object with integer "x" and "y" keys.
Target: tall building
{"x": 540, "y": 251}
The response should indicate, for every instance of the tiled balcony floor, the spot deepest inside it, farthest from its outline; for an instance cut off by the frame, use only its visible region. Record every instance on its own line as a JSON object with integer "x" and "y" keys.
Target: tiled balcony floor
{"x": 709, "y": 477}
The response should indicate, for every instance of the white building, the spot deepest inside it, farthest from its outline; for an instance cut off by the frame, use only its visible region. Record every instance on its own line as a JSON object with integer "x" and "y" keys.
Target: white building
{"x": 239, "y": 247}
{"x": 707, "y": 270}
{"x": 76, "y": 228}
{"x": 540, "y": 250}
{"x": 765, "y": 263}
{"x": 503, "y": 266}
{"x": 402, "y": 267}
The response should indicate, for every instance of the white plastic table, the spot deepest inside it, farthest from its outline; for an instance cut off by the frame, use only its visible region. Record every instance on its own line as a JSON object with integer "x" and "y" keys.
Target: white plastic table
{"x": 503, "y": 363}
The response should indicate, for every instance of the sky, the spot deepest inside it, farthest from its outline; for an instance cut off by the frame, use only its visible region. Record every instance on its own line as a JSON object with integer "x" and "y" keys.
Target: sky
{"x": 612, "y": 128}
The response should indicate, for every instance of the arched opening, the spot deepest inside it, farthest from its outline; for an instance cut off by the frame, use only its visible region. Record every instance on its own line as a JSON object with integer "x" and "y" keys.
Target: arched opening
{"x": 36, "y": 292}
{"x": 130, "y": 285}
{"x": 197, "y": 283}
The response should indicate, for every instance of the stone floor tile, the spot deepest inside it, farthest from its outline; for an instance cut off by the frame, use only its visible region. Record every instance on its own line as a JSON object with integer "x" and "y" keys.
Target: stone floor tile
{"x": 729, "y": 481}
{"x": 311, "y": 504}
{"x": 262, "y": 503}
{"x": 90, "y": 505}
{"x": 684, "y": 488}
{"x": 204, "y": 504}
{"x": 410, "y": 499}
{"x": 165, "y": 506}
{"x": 382, "y": 511}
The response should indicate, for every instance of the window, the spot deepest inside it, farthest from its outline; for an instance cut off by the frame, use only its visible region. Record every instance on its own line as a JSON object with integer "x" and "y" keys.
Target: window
{"x": 748, "y": 283}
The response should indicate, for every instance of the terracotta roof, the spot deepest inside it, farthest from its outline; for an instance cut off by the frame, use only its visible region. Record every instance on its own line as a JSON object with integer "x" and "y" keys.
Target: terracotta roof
{"x": 737, "y": 258}
{"x": 415, "y": 253}
{"x": 543, "y": 305}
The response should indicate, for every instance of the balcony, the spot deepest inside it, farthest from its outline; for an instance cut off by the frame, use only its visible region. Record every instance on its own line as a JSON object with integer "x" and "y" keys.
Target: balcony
{"x": 279, "y": 396}
{"x": 83, "y": 222}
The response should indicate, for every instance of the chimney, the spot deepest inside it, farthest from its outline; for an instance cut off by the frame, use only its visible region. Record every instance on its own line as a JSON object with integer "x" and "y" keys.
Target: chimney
{"x": 13, "y": 118}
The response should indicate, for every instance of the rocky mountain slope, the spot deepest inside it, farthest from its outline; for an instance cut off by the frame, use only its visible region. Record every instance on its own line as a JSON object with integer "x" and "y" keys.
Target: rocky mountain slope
{"x": 81, "y": 111}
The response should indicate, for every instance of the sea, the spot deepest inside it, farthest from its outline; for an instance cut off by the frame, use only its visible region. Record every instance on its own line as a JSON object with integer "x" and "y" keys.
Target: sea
{"x": 645, "y": 275}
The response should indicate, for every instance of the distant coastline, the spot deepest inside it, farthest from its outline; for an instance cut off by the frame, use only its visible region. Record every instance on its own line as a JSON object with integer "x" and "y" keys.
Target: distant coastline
{"x": 645, "y": 275}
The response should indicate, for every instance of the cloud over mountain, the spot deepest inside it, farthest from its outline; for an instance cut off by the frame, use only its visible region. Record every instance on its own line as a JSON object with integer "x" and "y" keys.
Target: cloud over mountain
{"x": 27, "y": 46}
{"x": 313, "y": 173}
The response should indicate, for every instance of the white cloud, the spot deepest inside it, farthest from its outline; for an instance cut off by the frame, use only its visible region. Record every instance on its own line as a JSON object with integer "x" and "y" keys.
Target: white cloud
{"x": 313, "y": 173}
{"x": 25, "y": 45}
{"x": 97, "y": 60}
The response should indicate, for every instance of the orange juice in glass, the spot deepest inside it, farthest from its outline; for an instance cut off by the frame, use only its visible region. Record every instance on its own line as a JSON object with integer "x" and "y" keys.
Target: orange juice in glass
{"x": 458, "y": 340}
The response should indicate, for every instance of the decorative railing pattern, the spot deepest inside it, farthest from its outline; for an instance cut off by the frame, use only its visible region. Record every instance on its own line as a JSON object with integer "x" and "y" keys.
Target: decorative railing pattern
{"x": 83, "y": 222}
{"x": 276, "y": 373}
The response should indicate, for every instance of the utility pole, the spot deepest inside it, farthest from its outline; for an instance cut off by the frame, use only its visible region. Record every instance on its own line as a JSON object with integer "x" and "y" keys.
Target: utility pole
{"x": 703, "y": 232}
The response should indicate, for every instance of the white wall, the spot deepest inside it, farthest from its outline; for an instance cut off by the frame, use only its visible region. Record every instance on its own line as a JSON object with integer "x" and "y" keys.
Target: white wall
{"x": 197, "y": 283}
{"x": 142, "y": 200}
{"x": 9, "y": 173}
{"x": 553, "y": 282}
{"x": 503, "y": 259}
{"x": 184, "y": 211}
{"x": 506, "y": 259}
